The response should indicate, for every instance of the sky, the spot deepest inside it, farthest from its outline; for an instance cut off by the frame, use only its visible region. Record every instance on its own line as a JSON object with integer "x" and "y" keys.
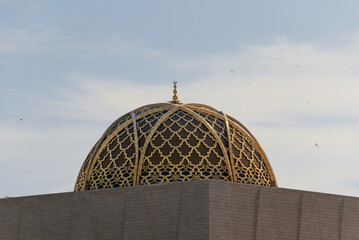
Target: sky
{"x": 287, "y": 70}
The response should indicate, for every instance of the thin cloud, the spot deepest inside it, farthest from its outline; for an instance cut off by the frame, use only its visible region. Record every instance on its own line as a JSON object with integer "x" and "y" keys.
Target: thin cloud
{"x": 41, "y": 160}
{"x": 16, "y": 41}
{"x": 103, "y": 98}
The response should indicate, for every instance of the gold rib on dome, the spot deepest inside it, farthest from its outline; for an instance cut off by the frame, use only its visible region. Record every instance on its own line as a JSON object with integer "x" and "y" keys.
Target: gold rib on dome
{"x": 167, "y": 142}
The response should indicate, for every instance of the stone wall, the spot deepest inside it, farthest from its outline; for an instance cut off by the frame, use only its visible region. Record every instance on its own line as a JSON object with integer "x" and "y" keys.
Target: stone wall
{"x": 238, "y": 211}
{"x": 207, "y": 209}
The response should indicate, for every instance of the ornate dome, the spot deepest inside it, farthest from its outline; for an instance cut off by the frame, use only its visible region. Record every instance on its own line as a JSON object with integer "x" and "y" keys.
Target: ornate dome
{"x": 170, "y": 142}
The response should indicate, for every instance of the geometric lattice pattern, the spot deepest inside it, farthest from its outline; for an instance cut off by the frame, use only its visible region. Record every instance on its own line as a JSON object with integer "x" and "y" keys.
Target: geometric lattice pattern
{"x": 169, "y": 142}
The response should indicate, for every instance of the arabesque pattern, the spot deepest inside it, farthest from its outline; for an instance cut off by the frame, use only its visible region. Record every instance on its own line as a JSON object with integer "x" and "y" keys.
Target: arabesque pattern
{"x": 174, "y": 142}
{"x": 116, "y": 162}
{"x": 248, "y": 164}
{"x": 182, "y": 149}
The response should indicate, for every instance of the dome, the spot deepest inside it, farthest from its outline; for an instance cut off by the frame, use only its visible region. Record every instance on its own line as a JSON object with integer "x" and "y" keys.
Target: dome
{"x": 170, "y": 142}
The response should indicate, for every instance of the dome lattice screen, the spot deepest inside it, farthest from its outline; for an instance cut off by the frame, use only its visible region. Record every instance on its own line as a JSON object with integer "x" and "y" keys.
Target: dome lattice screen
{"x": 169, "y": 142}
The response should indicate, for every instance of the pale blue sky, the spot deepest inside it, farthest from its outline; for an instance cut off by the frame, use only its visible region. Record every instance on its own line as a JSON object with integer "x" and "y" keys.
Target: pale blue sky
{"x": 69, "y": 69}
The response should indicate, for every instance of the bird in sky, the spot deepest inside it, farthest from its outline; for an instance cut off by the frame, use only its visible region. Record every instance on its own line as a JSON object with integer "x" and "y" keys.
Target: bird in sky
{"x": 316, "y": 144}
{"x": 20, "y": 119}
{"x": 298, "y": 65}
{"x": 231, "y": 70}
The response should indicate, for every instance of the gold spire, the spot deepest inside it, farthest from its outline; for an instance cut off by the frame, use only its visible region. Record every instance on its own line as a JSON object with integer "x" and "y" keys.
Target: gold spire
{"x": 175, "y": 98}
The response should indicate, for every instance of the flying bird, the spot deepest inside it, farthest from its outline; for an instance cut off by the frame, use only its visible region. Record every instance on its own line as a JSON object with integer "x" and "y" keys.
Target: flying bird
{"x": 298, "y": 66}
{"x": 316, "y": 144}
{"x": 20, "y": 119}
{"x": 231, "y": 70}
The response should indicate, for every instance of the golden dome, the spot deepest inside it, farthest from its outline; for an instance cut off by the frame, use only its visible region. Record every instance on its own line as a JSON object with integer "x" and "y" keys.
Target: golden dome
{"x": 170, "y": 142}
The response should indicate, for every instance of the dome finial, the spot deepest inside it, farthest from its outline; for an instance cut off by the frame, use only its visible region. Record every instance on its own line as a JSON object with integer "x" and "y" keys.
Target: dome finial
{"x": 175, "y": 98}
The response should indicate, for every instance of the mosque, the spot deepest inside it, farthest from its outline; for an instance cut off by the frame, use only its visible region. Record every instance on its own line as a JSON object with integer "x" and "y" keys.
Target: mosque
{"x": 179, "y": 171}
{"x": 174, "y": 142}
